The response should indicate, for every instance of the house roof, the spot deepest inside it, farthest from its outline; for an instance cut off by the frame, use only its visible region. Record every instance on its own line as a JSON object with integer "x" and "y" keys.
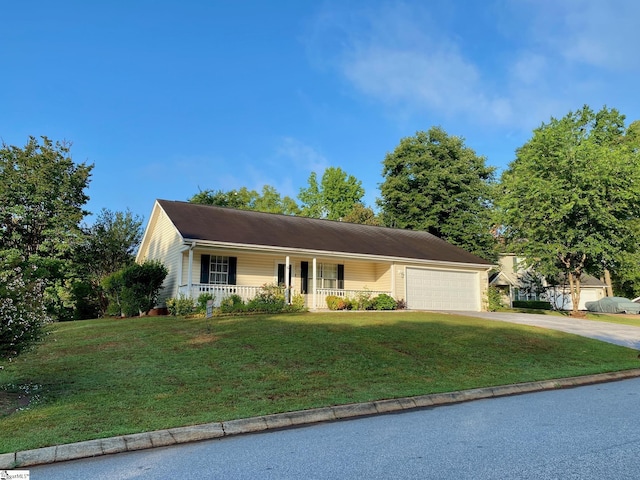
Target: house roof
{"x": 503, "y": 279}
{"x": 241, "y": 227}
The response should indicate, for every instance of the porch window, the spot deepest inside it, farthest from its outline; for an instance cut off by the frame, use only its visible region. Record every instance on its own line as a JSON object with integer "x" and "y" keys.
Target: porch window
{"x": 218, "y": 270}
{"x": 329, "y": 275}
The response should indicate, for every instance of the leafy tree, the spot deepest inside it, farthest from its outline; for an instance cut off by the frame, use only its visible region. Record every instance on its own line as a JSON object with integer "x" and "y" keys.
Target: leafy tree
{"x": 22, "y": 312}
{"x": 244, "y": 199}
{"x": 362, "y": 215}
{"x": 335, "y": 196}
{"x": 41, "y": 198}
{"x": 109, "y": 245}
{"x": 570, "y": 201}
{"x": 112, "y": 241}
{"x": 134, "y": 289}
{"x": 433, "y": 182}
{"x": 270, "y": 201}
{"x": 311, "y": 198}
{"x": 42, "y": 194}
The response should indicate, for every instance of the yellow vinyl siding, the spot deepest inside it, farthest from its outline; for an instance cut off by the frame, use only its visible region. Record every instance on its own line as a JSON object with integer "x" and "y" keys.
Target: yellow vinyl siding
{"x": 258, "y": 270}
{"x": 364, "y": 275}
{"x": 252, "y": 269}
{"x": 164, "y": 244}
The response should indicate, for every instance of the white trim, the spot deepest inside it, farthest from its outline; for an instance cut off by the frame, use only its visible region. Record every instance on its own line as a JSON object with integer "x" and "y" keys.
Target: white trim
{"x": 155, "y": 212}
{"x": 393, "y": 279}
{"x": 190, "y": 267}
{"x": 314, "y": 283}
{"x": 287, "y": 268}
{"x": 328, "y": 254}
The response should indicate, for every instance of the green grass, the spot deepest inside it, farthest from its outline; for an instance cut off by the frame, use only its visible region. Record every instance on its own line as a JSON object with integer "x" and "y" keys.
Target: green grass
{"x": 623, "y": 319}
{"x": 100, "y": 378}
{"x": 599, "y": 317}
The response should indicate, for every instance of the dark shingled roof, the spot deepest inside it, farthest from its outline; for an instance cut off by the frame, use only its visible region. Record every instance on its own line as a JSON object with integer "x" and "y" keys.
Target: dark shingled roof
{"x": 220, "y": 224}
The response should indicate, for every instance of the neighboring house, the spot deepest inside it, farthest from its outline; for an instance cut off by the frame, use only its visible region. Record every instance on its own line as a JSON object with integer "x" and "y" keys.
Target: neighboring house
{"x": 225, "y": 251}
{"x": 516, "y": 281}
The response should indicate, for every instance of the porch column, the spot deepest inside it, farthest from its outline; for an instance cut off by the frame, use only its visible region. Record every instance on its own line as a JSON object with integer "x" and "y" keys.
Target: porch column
{"x": 393, "y": 279}
{"x": 287, "y": 286}
{"x": 190, "y": 272}
{"x": 313, "y": 283}
{"x": 179, "y": 270}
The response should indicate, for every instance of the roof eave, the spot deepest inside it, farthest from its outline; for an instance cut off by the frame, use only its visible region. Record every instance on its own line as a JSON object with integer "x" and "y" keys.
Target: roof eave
{"x": 331, "y": 254}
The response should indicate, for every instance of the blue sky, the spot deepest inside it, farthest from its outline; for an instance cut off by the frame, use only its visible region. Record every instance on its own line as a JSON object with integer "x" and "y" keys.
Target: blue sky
{"x": 167, "y": 98}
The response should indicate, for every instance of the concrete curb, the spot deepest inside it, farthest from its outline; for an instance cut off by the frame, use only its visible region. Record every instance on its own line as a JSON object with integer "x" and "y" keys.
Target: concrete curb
{"x": 175, "y": 436}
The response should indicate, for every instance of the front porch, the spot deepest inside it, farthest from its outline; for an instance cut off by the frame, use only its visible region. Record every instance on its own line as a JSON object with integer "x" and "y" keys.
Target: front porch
{"x": 247, "y": 292}
{"x": 223, "y": 273}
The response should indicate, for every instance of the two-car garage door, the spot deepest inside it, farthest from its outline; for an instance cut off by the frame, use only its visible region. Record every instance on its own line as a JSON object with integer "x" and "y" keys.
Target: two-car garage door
{"x": 429, "y": 289}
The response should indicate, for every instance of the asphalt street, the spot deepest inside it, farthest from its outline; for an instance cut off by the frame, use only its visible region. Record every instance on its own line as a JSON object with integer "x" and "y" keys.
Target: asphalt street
{"x": 589, "y": 432}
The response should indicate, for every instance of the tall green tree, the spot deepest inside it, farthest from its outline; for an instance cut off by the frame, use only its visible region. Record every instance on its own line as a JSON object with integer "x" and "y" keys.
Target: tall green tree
{"x": 268, "y": 200}
{"x": 362, "y": 215}
{"x": 333, "y": 198}
{"x": 570, "y": 201}
{"x": 435, "y": 183}
{"x": 42, "y": 198}
{"x": 110, "y": 245}
{"x": 23, "y": 315}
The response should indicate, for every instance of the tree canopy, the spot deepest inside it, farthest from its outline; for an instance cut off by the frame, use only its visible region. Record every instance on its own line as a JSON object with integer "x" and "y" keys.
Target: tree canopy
{"x": 269, "y": 200}
{"x": 570, "y": 201}
{"x": 333, "y": 198}
{"x": 434, "y": 182}
{"x": 109, "y": 245}
{"x": 42, "y": 195}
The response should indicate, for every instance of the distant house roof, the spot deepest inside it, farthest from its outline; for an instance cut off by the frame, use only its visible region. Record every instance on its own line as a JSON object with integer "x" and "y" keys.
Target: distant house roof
{"x": 241, "y": 227}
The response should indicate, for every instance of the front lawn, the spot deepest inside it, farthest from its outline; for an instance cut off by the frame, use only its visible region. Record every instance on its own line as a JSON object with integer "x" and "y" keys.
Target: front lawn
{"x": 107, "y": 377}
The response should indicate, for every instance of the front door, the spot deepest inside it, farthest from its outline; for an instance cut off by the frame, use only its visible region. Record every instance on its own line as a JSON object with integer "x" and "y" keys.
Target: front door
{"x": 281, "y": 268}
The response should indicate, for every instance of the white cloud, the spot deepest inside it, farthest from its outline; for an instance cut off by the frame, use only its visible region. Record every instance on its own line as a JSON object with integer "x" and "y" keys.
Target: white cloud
{"x": 542, "y": 58}
{"x": 529, "y": 69}
{"x": 302, "y": 156}
{"x": 602, "y": 34}
{"x": 398, "y": 55}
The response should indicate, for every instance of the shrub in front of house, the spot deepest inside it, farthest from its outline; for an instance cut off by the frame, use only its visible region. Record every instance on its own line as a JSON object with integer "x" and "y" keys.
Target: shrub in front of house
{"x": 270, "y": 299}
{"x": 335, "y": 303}
{"x": 232, "y": 304}
{"x": 201, "y": 303}
{"x": 384, "y": 302}
{"x": 134, "y": 289}
{"x": 532, "y": 304}
{"x": 494, "y": 297}
{"x": 181, "y": 306}
{"x": 297, "y": 304}
{"x": 363, "y": 301}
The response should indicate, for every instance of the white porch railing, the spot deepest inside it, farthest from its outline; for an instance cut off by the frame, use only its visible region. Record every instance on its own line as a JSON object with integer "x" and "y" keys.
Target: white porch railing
{"x": 323, "y": 293}
{"x": 219, "y": 292}
{"x": 246, "y": 292}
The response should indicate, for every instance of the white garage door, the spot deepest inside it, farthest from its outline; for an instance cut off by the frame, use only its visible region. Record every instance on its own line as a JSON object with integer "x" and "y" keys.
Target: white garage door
{"x": 442, "y": 290}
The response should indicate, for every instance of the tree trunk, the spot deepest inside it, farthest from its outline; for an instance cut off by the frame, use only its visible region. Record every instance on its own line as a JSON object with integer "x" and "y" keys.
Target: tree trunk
{"x": 574, "y": 288}
{"x": 607, "y": 281}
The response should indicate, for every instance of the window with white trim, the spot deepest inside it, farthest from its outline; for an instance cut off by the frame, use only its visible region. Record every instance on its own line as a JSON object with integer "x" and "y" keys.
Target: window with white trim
{"x": 219, "y": 270}
{"x": 328, "y": 275}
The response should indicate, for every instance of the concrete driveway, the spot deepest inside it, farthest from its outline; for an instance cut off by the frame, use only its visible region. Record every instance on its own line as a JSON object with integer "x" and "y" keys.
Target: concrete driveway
{"x": 625, "y": 335}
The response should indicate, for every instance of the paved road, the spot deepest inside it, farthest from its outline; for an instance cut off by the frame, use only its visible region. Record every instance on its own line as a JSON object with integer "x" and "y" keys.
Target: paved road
{"x": 625, "y": 335}
{"x": 582, "y": 433}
